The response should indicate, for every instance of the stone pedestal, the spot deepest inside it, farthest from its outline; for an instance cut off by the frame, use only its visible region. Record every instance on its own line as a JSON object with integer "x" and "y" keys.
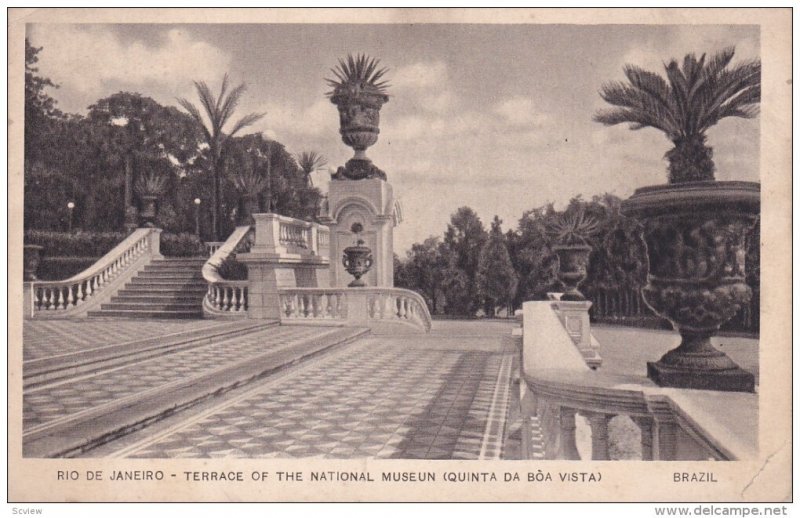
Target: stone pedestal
{"x": 574, "y": 315}
{"x": 371, "y": 203}
{"x": 276, "y": 262}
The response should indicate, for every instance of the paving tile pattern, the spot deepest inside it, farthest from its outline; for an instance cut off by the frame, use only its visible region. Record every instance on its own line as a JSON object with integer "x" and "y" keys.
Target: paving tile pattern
{"x": 370, "y": 399}
{"x": 43, "y": 404}
{"x": 44, "y": 338}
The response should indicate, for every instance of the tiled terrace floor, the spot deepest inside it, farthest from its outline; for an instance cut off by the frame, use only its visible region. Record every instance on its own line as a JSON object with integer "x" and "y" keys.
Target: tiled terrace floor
{"x": 43, "y": 338}
{"x": 440, "y": 396}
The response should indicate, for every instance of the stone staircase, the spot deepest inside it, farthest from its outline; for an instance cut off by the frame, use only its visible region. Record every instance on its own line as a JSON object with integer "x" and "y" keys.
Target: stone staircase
{"x": 166, "y": 288}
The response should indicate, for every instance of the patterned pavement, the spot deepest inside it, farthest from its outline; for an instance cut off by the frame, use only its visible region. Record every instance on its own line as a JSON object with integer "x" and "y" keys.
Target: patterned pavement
{"x": 57, "y": 400}
{"x": 440, "y": 396}
{"x": 42, "y": 338}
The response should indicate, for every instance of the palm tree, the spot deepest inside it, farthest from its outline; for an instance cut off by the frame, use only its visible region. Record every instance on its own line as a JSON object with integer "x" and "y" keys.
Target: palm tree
{"x": 691, "y": 100}
{"x": 218, "y": 111}
{"x": 309, "y": 162}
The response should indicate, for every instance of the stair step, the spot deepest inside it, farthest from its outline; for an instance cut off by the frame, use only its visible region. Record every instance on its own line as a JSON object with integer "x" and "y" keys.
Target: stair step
{"x": 158, "y": 297}
{"x": 153, "y": 306}
{"x": 179, "y": 262}
{"x": 167, "y": 268}
{"x": 142, "y": 290}
{"x": 169, "y": 275}
{"x": 135, "y": 313}
{"x": 177, "y": 284}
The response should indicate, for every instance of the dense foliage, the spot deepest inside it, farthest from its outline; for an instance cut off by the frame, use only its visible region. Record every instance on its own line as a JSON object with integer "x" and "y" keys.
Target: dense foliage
{"x": 105, "y": 161}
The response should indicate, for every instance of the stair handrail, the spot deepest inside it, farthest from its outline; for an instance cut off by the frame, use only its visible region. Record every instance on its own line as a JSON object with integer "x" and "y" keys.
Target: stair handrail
{"x": 225, "y": 297}
{"x": 67, "y": 294}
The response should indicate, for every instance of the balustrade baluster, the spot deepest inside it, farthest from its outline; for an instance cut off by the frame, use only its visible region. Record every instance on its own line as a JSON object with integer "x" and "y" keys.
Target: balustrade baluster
{"x": 69, "y": 300}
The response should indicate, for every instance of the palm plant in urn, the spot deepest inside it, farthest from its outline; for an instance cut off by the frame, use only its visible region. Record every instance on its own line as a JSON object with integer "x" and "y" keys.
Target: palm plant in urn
{"x": 695, "y": 228}
{"x": 571, "y": 233}
{"x": 149, "y": 187}
{"x": 359, "y": 94}
{"x": 357, "y": 259}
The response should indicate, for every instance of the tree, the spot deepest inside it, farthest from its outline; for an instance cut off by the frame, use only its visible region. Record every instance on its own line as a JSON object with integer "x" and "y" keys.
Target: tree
{"x": 694, "y": 98}
{"x": 533, "y": 260}
{"x": 218, "y": 111}
{"x": 463, "y": 241}
{"x": 40, "y": 109}
{"x": 496, "y": 279}
{"x": 142, "y": 135}
{"x": 423, "y": 271}
{"x": 310, "y": 162}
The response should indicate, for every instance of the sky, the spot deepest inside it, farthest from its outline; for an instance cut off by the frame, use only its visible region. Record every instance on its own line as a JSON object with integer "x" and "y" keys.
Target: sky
{"x": 494, "y": 117}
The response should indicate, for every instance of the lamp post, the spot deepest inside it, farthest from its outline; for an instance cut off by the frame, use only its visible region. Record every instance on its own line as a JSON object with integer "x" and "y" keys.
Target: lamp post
{"x": 70, "y": 207}
{"x": 197, "y": 217}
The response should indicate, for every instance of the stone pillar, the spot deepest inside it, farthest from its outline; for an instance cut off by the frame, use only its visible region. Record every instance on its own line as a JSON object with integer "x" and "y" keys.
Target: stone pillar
{"x": 599, "y": 425}
{"x": 371, "y": 203}
{"x": 155, "y": 243}
{"x": 263, "y": 301}
{"x": 645, "y": 424}
{"x": 574, "y": 316}
{"x": 666, "y": 429}
{"x": 569, "y": 450}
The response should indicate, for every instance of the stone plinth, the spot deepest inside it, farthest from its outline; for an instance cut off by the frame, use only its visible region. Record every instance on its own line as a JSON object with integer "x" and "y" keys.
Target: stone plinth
{"x": 370, "y": 203}
{"x": 574, "y": 315}
{"x": 285, "y": 254}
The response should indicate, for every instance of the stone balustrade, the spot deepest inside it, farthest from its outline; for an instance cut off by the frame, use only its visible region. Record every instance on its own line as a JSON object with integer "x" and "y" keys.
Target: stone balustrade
{"x": 227, "y": 297}
{"x": 367, "y": 307}
{"x": 287, "y": 235}
{"x": 564, "y": 395}
{"x": 211, "y": 247}
{"x": 75, "y": 296}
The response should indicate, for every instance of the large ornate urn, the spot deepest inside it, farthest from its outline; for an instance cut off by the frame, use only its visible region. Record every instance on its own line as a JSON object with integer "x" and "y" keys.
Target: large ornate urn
{"x": 149, "y": 210}
{"x": 359, "y": 120}
{"x": 357, "y": 260}
{"x": 573, "y": 262}
{"x": 32, "y": 256}
{"x": 695, "y": 235}
{"x": 249, "y": 207}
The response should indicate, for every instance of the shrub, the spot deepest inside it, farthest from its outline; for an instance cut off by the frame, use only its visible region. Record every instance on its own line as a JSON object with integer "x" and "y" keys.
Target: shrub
{"x": 181, "y": 245}
{"x": 81, "y": 243}
{"x": 232, "y": 270}
{"x": 60, "y": 268}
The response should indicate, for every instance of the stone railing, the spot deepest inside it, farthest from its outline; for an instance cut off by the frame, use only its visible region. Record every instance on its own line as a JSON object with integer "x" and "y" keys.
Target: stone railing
{"x": 367, "y": 307}
{"x": 227, "y": 297}
{"x": 75, "y": 296}
{"x": 293, "y": 236}
{"x": 211, "y": 247}
{"x": 575, "y": 406}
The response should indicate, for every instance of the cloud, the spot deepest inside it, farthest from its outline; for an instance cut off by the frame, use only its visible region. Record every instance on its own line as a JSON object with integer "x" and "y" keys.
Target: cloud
{"x": 520, "y": 111}
{"x": 89, "y": 58}
{"x": 319, "y": 118}
{"x": 422, "y": 74}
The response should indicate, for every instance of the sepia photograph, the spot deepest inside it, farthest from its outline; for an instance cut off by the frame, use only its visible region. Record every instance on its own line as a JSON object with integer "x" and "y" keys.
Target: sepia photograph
{"x": 366, "y": 254}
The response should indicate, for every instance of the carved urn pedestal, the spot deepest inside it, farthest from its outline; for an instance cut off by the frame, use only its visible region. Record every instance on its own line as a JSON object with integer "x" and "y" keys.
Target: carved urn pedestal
{"x": 573, "y": 262}
{"x": 696, "y": 243}
{"x": 357, "y": 260}
{"x": 32, "y": 256}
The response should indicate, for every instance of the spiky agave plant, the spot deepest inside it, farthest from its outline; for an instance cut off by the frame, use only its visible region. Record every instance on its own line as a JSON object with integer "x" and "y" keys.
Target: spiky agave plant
{"x": 692, "y": 99}
{"x": 356, "y": 74}
{"x": 150, "y": 184}
{"x": 247, "y": 180}
{"x": 573, "y": 229}
{"x": 309, "y": 162}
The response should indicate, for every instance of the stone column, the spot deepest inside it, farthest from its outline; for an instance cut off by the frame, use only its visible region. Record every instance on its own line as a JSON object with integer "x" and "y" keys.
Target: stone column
{"x": 666, "y": 429}
{"x": 645, "y": 424}
{"x": 569, "y": 450}
{"x": 599, "y": 425}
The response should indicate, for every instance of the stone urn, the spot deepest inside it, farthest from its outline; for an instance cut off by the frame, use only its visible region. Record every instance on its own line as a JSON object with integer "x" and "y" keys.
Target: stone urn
{"x": 357, "y": 260}
{"x": 249, "y": 207}
{"x": 573, "y": 262}
{"x": 32, "y": 256}
{"x": 149, "y": 210}
{"x": 359, "y": 121}
{"x": 695, "y": 234}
